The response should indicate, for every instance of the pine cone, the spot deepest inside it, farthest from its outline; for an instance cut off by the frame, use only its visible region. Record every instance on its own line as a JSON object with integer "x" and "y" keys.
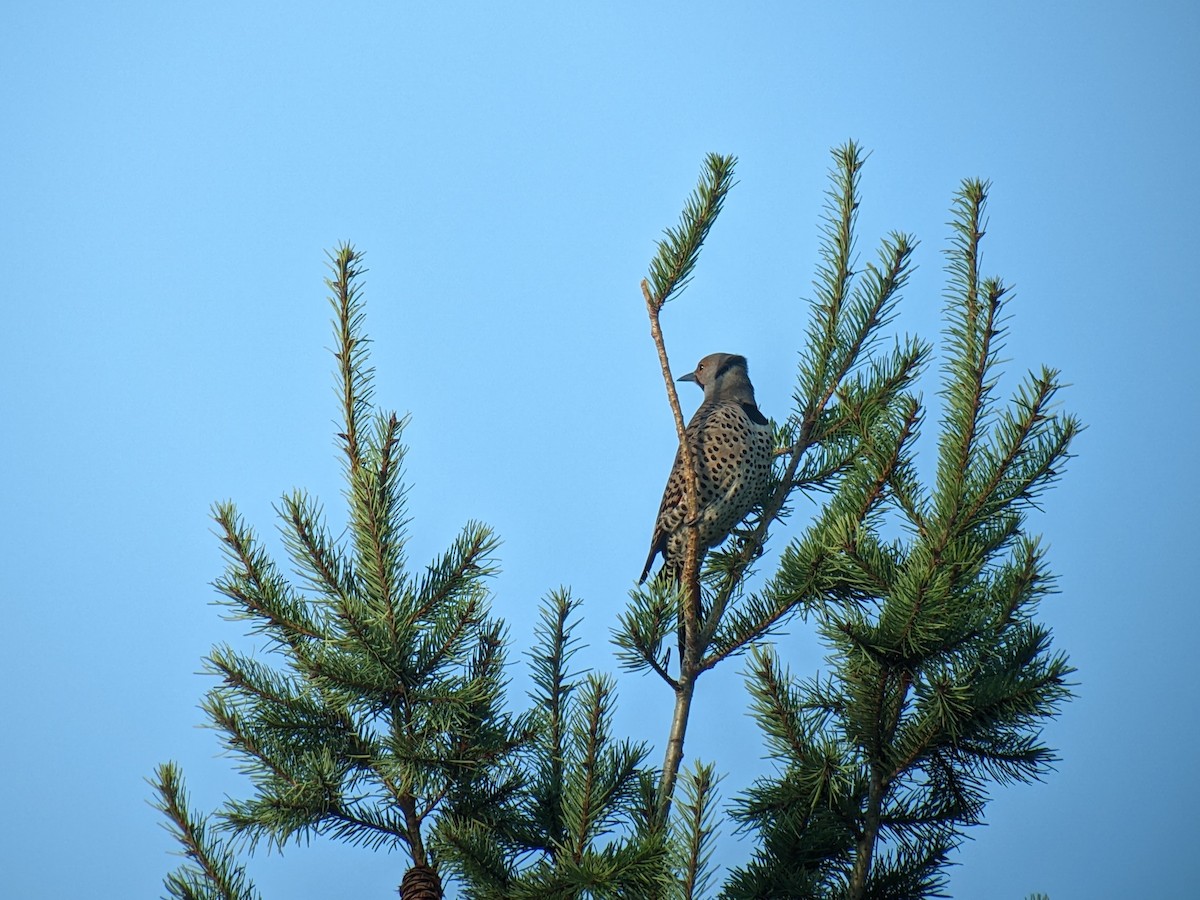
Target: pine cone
{"x": 421, "y": 883}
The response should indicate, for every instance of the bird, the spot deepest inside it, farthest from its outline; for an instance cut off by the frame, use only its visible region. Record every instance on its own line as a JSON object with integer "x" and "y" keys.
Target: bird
{"x": 732, "y": 448}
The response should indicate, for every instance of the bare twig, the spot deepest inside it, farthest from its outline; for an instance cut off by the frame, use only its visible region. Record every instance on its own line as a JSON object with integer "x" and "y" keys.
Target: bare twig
{"x": 689, "y": 652}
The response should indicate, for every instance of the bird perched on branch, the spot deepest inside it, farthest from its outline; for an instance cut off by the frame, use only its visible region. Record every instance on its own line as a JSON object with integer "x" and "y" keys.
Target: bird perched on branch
{"x": 731, "y": 446}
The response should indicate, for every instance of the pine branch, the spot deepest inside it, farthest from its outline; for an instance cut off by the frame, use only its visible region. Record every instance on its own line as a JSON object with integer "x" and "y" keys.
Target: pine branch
{"x": 384, "y": 710}
{"x": 940, "y": 679}
{"x": 973, "y": 336}
{"x": 695, "y": 829}
{"x": 644, "y": 625}
{"x": 671, "y": 268}
{"x": 356, "y": 386}
{"x": 256, "y": 589}
{"x": 845, "y": 325}
{"x": 580, "y": 811}
{"x": 670, "y": 271}
{"x": 554, "y": 687}
{"x": 777, "y": 706}
{"x": 1030, "y": 444}
{"x": 458, "y": 572}
{"x": 833, "y": 278}
{"x": 313, "y": 549}
{"x": 605, "y": 773}
{"x": 212, "y": 872}
{"x": 377, "y": 514}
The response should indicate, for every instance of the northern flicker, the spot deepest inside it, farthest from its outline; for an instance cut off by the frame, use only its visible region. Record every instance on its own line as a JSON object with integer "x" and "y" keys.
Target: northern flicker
{"x": 731, "y": 446}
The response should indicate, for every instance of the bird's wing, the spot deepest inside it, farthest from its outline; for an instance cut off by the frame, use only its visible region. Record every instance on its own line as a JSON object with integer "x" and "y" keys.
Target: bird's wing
{"x": 672, "y": 510}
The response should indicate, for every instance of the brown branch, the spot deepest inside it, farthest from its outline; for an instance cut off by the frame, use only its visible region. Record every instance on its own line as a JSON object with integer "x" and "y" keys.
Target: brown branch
{"x": 654, "y": 307}
{"x": 865, "y": 849}
{"x": 689, "y": 652}
{"x": 661, "y": 671}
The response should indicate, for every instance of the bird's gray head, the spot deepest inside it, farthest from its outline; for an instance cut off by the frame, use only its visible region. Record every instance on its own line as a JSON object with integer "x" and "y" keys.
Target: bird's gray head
{"x": 723, "y": 376}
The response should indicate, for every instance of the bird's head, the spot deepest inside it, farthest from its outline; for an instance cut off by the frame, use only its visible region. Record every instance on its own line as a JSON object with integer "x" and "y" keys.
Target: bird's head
{"x": 718, "y": 370}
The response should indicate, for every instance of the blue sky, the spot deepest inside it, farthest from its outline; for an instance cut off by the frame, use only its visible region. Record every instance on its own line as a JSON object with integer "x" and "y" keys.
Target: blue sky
{"x": 171, "y": 175}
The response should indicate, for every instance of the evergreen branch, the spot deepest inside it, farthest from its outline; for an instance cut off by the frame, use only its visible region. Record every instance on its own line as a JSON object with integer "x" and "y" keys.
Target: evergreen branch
{"x": 676, "y": 256}
{"x": 314, "y": 809}
{"x": 377, "y": 516}
{"x": 388, "y": 711}
{"x": 212, "y": 872}
{"x": 643, "y": 626}
{"x": 915, "y": 872}
{"x": 696, "y": 829}
{"x": 484, "y": 676}
{"x": 909, "y": 493}
{"x": 928, "y": 806}
{"x": 824, "y": 461}
{"x": 314, "y": 802}
{"x": 973, "y": 337}
{"x": 556, "y": 684}
{"x": 368, "y": 827}
{"x": 798, "y": 582}
{"x": 240, "y": 735}
{"x": 669, "y": 272}
{"x": 1020, "y": 583}
{"x": 445, "y": 640}
{"x": 1029, "y": 447}
{"x": 542, "y": 830}
{"x": 840, "y": 336}
{"x": 579, "y": 806}
{"x": 415, "y": 634}
{"x": 358, "y": 667}
{"x": 885, "y": 452}
{"x": 915, "y": 606}
{"x": 873, "y": 303}
{"x": 954, "y": 790}
{"x": 776, "y": 706}
{"x": 980, "y": 713}
{"x": 456, "y": 573}
{"x": 969, "y": 403}
{"x": 255, "y": 586}
{"x": 356, "y": 387}
{"x": 369, "y": 662}
{"x": 635, "y": 869}
{"x": 405, "y": 800}
{"x": 834, "y": 276}
{"x": 862, "y": 401}
{"x": 313, "y": 549}
{"x": 478, "y": 857}
{"x": 864, "y": 567}
{"x": 844, "y": 322}
{"x": 806, "y": 832}
{"x": 288, "y": 718}
{"x": 252, "y": 679}
{"x": 599, "y": 777}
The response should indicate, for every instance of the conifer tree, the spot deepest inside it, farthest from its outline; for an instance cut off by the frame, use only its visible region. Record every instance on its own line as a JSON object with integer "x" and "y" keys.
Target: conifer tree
{"x": 383, "y": 721}
{"x": 841, "y": 382}
{"x": 938, "y": 677}
{"x": 386, "y": 703}
{"x": 576, "y": 786}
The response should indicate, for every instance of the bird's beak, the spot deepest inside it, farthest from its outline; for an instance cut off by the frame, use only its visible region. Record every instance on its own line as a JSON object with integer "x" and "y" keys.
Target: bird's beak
{"x": 690, "y": 376}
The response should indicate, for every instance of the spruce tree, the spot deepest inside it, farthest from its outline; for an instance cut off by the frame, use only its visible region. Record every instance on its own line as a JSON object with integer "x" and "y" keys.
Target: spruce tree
{"x": 939, "y": 677}
{"x": 383, "y": 720}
